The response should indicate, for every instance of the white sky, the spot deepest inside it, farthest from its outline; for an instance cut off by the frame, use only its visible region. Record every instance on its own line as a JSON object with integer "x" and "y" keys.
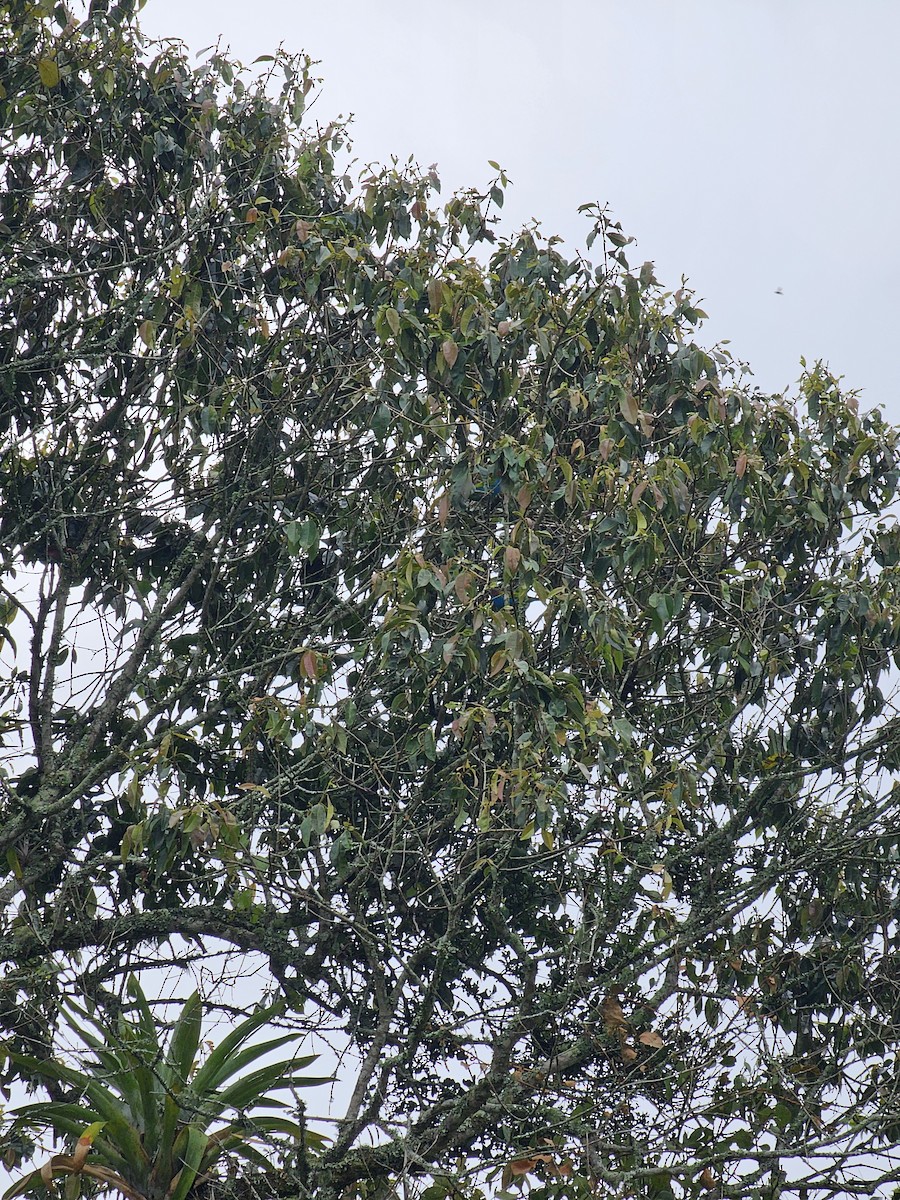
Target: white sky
{"x": 748, "y": 144}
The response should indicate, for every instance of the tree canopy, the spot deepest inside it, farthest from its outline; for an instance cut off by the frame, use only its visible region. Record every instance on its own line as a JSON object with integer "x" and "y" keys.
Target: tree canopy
{"x": 417, "y": 625}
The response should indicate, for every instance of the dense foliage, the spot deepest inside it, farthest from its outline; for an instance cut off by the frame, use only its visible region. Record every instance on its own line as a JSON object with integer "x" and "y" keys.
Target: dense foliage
{"x": 418, "y": 621}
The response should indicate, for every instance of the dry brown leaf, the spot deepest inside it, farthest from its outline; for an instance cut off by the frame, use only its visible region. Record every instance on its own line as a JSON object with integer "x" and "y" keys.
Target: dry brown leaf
{"x": 450, "y": 351}
{"x": 512, "y": 556}
{"x": 650, "y": 1038}
{"x": 613, "y": 1014}
{"x": 83, "y": 1146}
{"x": 462, "y": 585}
{"x": 435, "y": 294}
{"x": 647, "y": 423}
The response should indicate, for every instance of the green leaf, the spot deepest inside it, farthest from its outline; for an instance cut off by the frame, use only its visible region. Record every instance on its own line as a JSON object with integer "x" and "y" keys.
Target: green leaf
{"x": 188, "y": 1152}
{"x": 118, "y": 1064}
{"x": 240, "y": 1149}
{"x": 220, "y": 1064}
{"x": 250, "y": 1088}
{"x": 147, "y": 1022}
{"x": 105, "y": 1104}
{"x": 235, "y": 1063}
{"x": 184, "y": 1043}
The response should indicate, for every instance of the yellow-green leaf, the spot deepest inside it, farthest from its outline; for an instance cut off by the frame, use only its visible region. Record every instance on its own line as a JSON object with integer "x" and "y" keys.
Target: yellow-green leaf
{"x": 498, "y": 662}
{"x": 84, "y": 1144}
{"x": 629, "y": 407}
{"x": 49, "y": 72}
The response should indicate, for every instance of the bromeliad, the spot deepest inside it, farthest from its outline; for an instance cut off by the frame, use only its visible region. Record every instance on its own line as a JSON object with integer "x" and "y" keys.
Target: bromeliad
{"x": 147, "y": 1122}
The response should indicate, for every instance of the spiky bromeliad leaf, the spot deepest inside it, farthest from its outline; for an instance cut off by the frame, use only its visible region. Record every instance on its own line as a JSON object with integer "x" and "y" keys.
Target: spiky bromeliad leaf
{"x": 155, "y": 1119}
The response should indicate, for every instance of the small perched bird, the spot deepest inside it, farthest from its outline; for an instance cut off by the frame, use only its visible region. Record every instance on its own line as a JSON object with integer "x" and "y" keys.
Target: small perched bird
{"x": 490, "y": 495}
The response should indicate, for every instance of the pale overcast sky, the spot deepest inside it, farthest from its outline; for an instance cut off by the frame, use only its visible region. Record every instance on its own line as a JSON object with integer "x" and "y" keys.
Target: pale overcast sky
{"x": 748, "y": 144}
